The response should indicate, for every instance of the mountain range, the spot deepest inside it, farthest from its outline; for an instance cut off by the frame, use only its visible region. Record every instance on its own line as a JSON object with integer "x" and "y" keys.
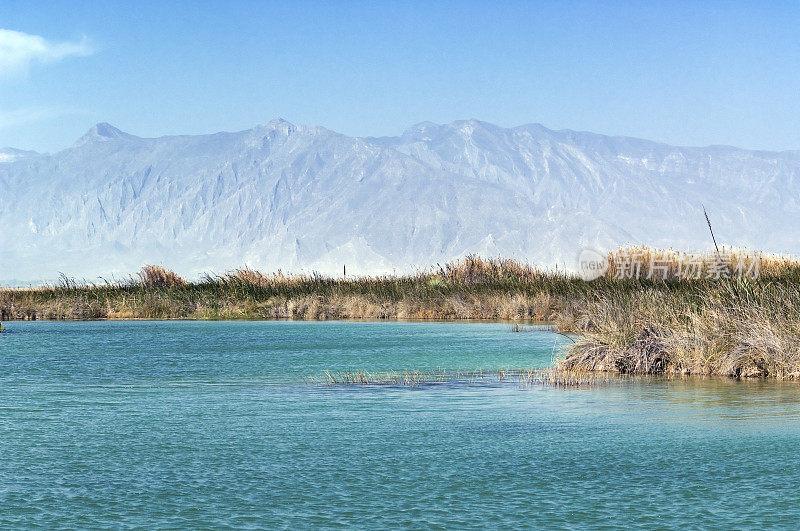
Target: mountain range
{"x": 303, "y": 198}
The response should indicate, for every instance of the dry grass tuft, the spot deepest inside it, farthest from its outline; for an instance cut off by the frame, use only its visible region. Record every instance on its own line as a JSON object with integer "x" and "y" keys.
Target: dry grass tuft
{"x": 159, "y": 277}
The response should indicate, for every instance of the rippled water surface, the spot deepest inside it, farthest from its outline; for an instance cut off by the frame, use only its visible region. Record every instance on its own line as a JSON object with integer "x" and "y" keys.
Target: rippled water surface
{"x": 127, "y": 424}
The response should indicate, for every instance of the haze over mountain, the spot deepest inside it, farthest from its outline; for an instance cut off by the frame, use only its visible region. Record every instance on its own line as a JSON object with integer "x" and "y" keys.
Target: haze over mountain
{"x": 307, "y": 198}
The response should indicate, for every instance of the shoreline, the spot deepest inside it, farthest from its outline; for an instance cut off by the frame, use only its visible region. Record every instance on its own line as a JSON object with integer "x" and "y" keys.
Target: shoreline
{"x": 276, "y": 320}
{"x": 736, "y": 327}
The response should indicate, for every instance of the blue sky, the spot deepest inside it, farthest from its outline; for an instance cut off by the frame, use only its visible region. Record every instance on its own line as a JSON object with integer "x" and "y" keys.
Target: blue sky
{"x": 689, "y": 73}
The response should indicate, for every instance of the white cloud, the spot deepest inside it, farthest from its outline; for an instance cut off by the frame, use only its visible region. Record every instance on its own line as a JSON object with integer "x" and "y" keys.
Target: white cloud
{"x": 18, "y": 51}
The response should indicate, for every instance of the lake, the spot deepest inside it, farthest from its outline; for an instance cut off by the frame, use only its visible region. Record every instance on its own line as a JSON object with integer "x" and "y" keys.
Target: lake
{"x": 146, "y": 424}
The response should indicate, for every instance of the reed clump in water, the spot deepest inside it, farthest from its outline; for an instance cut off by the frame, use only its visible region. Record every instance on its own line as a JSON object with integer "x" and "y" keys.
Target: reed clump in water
{"x": 551, "y": 377}
{"x": 404, "y": 377}
{"x": 557, "y": 377}
{"x": 743, "y": 321}
{"x": 740, "y": 329}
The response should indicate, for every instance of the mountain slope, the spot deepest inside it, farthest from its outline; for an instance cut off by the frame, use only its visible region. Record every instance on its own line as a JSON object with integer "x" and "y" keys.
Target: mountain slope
{"x": 296, "y": 197}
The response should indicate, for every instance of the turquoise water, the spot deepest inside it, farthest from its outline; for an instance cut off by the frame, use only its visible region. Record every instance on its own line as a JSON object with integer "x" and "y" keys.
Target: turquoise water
{"x": 145, "y": 424}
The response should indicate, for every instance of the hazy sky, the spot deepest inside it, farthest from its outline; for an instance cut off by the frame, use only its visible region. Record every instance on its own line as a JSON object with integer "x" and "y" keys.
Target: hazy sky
{"x": 689, "y": 73}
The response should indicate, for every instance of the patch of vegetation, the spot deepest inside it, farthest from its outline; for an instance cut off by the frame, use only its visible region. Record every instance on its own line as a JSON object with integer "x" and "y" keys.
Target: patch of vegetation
{"x": 552, "y": 377}
{"x": 470, "y": 289}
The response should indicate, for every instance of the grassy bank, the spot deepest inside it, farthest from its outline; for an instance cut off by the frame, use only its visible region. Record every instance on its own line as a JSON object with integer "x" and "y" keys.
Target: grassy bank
{"x": 738, "y": 325}
{"x": 470, "y": 289}
{"x": 725, "y": 323}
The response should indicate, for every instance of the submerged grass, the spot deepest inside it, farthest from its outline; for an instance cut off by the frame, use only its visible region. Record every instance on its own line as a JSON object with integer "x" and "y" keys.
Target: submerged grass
{"x": 552, "y": 377}
{"x": 668, "y": 318}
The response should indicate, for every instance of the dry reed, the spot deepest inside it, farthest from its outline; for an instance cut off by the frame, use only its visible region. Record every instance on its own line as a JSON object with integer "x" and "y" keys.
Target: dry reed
{"x": 159, "y": 277}
{"x": 551, "y": 377}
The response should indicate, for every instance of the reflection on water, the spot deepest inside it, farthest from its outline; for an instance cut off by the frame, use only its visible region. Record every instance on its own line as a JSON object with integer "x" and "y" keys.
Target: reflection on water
{"x": 714, "y": 398}
{"x": 172, "y": 423}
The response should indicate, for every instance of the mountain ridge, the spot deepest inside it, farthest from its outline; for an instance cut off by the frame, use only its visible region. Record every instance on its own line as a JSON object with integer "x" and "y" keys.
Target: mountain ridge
{"x": 278, "y": 120}
{"x": 299, "y": 197}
